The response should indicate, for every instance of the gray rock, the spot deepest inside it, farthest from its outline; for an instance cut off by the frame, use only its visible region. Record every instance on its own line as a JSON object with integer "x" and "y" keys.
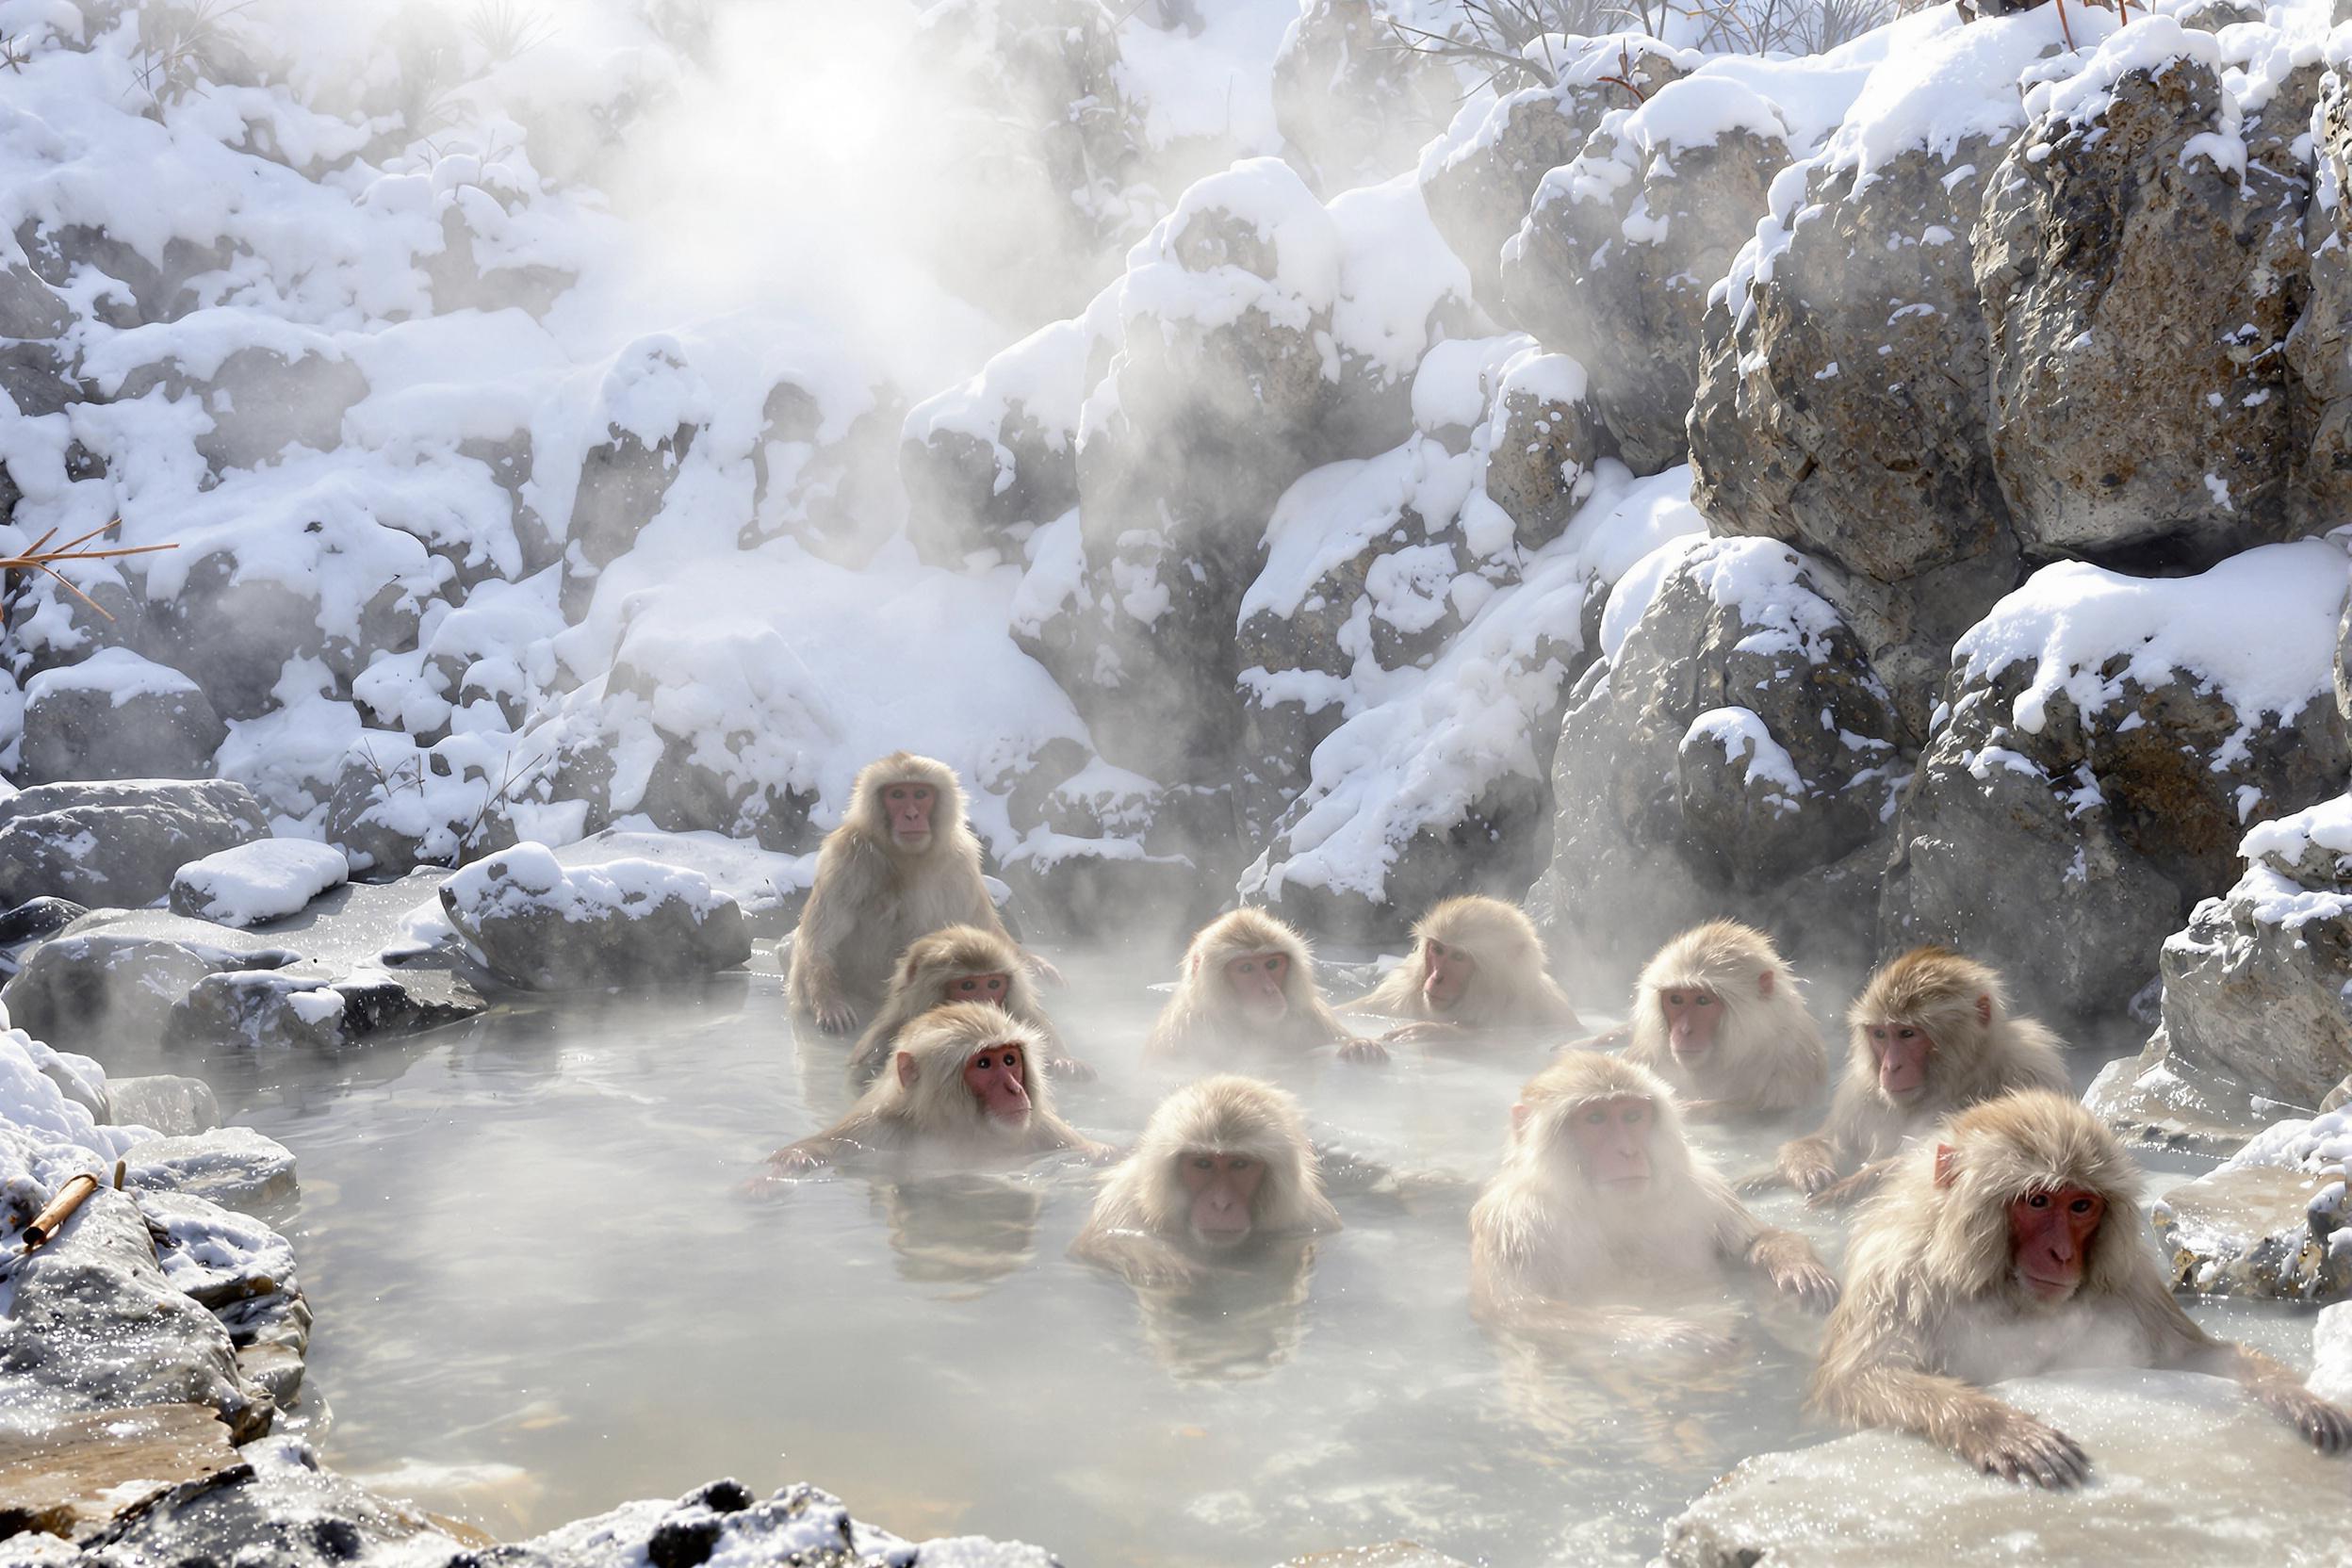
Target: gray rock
{"x": 1541, "y": 448}
{"x": 234, "y": 1166}
{"x": 115, "y": 715}
{"x": 1738, "y": 740}
{"x": 260, "y": 402}
{"x": 1620, "y": 246}
{"x": 1841, "y": 406}
{"x": 1351, "y": 102}
{"x": 172, "y": 1106}
{"x": 2185, "y": 1468}
{"x": 274, "y": 1508}
{"x": 117, "y": 842}
{"x": 2319, "y": 345}
{"x": 724, "y": 1522}
{"x": 95, "y": 1325}
{"x": 318, "y": 1005}
{"x": 836, "y": 492}
{"x": 2119, "y": 267}
{"x": 2259, "y": 1231}
{"x": 628, "y": 471}
{"x": 76, "y": 1474}
{"x": 988, "y": 463}
{"x": 107, "y": 980}
{"x": 548, "y": 928}
{"x": 240, "y": 1270}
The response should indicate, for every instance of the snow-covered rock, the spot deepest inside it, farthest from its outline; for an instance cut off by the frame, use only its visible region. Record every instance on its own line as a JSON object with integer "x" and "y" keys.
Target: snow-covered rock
{"x": 2108, "y": 741}
{"x": 2259, "y": 1230}
{"x": 117, "y": 715}
{"x": 118, "y": 844}
{"x": 255, "y": 883}
{"x": 110, "y": 979}
{"x": 234, "y": 1166}
{"x": 1353, "y": 104}
{"x": 2183, "y": 1466}
{"x": 550, "y": 926}
{"x": 1733, "y": 753}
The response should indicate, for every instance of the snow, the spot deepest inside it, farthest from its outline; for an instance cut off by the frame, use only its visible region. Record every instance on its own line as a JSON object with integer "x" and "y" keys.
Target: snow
{"x": 1395, "y": 274}
{"x": 1455, "y": 382}
{"x": 528, "y": 876}
{"x": 117, "y": 672}
{"x": 33, "y": 1104}
{"x": 1745, "y": 739}
{"x": 1262, "y": 197}
{"x": 2326, "y": 825}
{"x": 260, "y": 881}
{"x": 2257, "y": 630}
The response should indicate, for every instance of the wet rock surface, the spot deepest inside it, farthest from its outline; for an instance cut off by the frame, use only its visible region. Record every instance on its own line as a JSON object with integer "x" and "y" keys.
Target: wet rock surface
{"x": 232, "y": 1166}
{"x": 79, "y": 1472}
{"x": 2184, "y": 1468}
{"x": 117, "y": 715}
{"x": 547, "y": 927}
{"x": 118, "y": 844}
{"x": 2259, "y": 1231}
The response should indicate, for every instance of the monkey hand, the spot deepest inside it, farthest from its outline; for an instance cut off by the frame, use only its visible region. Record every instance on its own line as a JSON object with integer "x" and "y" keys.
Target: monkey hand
{"x": 1708, "y": 1110}
{"x": 1098, "y": 1154}
{"x": 1044, "y": 968}
{"x": 1405, "y": 1033}
{"x": 1368, "y": 1052}
{"x": 1158, "y": 1269}
{"x": 1805, "y": 1281}
{"x": 1680, "y": 1336}
{"x": 1070, "y": 1068}
{"x": 2324, "y": 1426}
{"x": 2016, "y": 1447}
{"x": 794, "y": 1161}
{"x": 834, "y": 1017}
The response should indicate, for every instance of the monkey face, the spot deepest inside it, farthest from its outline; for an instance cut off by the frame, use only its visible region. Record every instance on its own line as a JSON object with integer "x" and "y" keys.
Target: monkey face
{"x": 1446, "y": 975}
{"x": 997, "y": 1078}
{"x": 1903, "y": 1050}
{"x": 2049, "y": 1236}
{"x": 1692, "y": 1016}
{"x": 977, "y": 988}
{"x": 1259, "y": 983}
{"x": 1224, "y": 1188}
{"x": 909, "y": 807}
{"x": 1611, "y": 1139}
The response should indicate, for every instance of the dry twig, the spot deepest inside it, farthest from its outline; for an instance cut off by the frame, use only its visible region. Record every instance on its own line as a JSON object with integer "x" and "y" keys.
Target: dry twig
{"x": 39, "y": 557}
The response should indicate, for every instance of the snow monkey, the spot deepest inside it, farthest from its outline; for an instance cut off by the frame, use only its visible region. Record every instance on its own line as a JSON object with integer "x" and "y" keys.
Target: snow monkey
{"x": 1601, "y": 1211}
{"x": 1717, "y": 1014}
{"x": 902, "y": 864}
{"x": 2016, "y": 1246}
{"x": 960, "y": 1084}
{"x": 958, "y": 963}
{"x": 1223, "y": 1161}
{"x": 1249, "y": 980}
{"x": 1476, "y": 964}
{"x": 1930, "y": 1034}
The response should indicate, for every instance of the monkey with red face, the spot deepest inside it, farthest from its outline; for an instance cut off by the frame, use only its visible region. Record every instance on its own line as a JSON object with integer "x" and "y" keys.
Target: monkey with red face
{"x": 958, "y": 963}
{"x": 902, "y": 864}
{"x": 1248, "y": 985}
{"x": 1717, "y": 1014}
{"x": 2017, "y": 1245}
{"x": 960, "y": 1089}
{"x": 1477, "y": 966}
{"x": 1223, "y": 1163}
{"x": 1931, "y": 1034}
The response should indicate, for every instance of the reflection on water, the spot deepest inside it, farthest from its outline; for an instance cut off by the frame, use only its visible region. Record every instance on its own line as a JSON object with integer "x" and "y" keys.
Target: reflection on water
{"x": 530, "y": 1250}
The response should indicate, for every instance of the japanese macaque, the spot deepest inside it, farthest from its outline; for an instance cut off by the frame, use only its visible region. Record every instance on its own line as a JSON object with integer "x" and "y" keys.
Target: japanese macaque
{"x": 1224, "y": 1161}
{"x": 902, "y": 864}
{"x": 958, "y": 963}
{"x": 2016, "y": 1246}
{"x": 1476, "y": 964}
{"x": 1717, "y": 1014}
{"x": 961, "y": 1086}
{"x": 1930, "y": 1034}
{"x": 1249, "y": 980}
{"x": 1601, "y": 1211}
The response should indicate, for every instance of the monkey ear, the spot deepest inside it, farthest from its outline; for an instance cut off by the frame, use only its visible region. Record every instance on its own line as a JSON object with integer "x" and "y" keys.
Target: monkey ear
{"x": 1518, "y": 1117}
{"x": 1984, "y": 1010}
{"x": 907, "y": 1070}
{"x": 1947, "y": 1164}
{"x": 910, "y": 969}
{"x": 1195, "y": 963}
{"x": 1765, "y": 981}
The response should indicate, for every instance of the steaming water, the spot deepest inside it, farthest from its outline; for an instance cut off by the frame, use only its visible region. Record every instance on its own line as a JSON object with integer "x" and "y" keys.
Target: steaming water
{"x": 533, "y": 1259}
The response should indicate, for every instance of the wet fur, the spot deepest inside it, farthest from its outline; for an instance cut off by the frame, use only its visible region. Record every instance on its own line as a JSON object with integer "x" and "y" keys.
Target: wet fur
{"x": 928, "y": 964}
{"x": 1510, "y": 989}
{"x": 1767, "y": 1057}
{"x": 1200, "y": 1019}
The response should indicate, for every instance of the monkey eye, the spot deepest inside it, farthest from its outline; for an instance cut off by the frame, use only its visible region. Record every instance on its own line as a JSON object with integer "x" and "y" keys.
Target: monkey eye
{"x": 1907, "y": 1033}
{"x": 2080, "y": 1205}
{"x": 2040, "y": 1200}
{"x": 1596, "y": 1116}
{"x": 1702, "y": 999}
{"x": 1239, "y": 1162}
{"x": 1204, "y": 1162}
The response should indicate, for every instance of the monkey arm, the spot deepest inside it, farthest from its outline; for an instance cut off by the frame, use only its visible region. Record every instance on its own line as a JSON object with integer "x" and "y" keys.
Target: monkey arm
{"x": 1789, "y": 1262}
{"x": 1561, "y": 1327}
{"x": 1807, "y": 1163}
{"x": 1049, "y": 1133}
{"x": 1139, "y": 1257}
{"x": 853, "y": 1135}
{"x": 846, "y": 884}
{"x": 1995, "y": 1437}
{"x": 1854, "y": 1188}
{"x": 2323, "y": 1424}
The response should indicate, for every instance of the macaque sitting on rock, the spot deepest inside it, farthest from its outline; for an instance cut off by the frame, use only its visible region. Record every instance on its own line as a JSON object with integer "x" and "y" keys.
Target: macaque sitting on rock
{"x": 960, "y": 1089}
{"x": 1248, "y": 985}
{"x": 1476, "y": 964}
{"x": 2015, "y": 1246}
{"x": 1601, "y": 1215}
{"x": 1223, "y": 1163}
{"x": 1930, "y": 1034}
{"x": 902, "y": 864}
{"x": 958, "y": 963}
{"x": 1717, "y": 1014}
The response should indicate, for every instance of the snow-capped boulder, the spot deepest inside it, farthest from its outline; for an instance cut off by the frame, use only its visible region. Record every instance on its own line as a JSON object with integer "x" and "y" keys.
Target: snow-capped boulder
{"x": 316, "y": 1005}
{"x": 1621, "y": 245}
{"x": 1730, "y": 751}
{"x": 255, "y": 883}
{"x": 1350, "y": 101}
{"x": 117, "y": 842}
{"x": 548, "y": 926}
{"x": 648, "y": 414}
{"x": 257, "y": 401}
{"x": 173, "y": 1105}
{"x": 2179, "y": 1457}
{"x": 2254, "y": 1012}
{"x": 1542, "y": 443}
{"x": 2270, "y": 1222}
{"x": 2320, "y": 345}
{"x": 233, "y": 1167}
{"x": 2137, "y": 254}
{"x": 2108, "y": 740}
{"x": 1480, "y": 176}
{"x": 825, "y": 467}
{"x": 117, "y": 715}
